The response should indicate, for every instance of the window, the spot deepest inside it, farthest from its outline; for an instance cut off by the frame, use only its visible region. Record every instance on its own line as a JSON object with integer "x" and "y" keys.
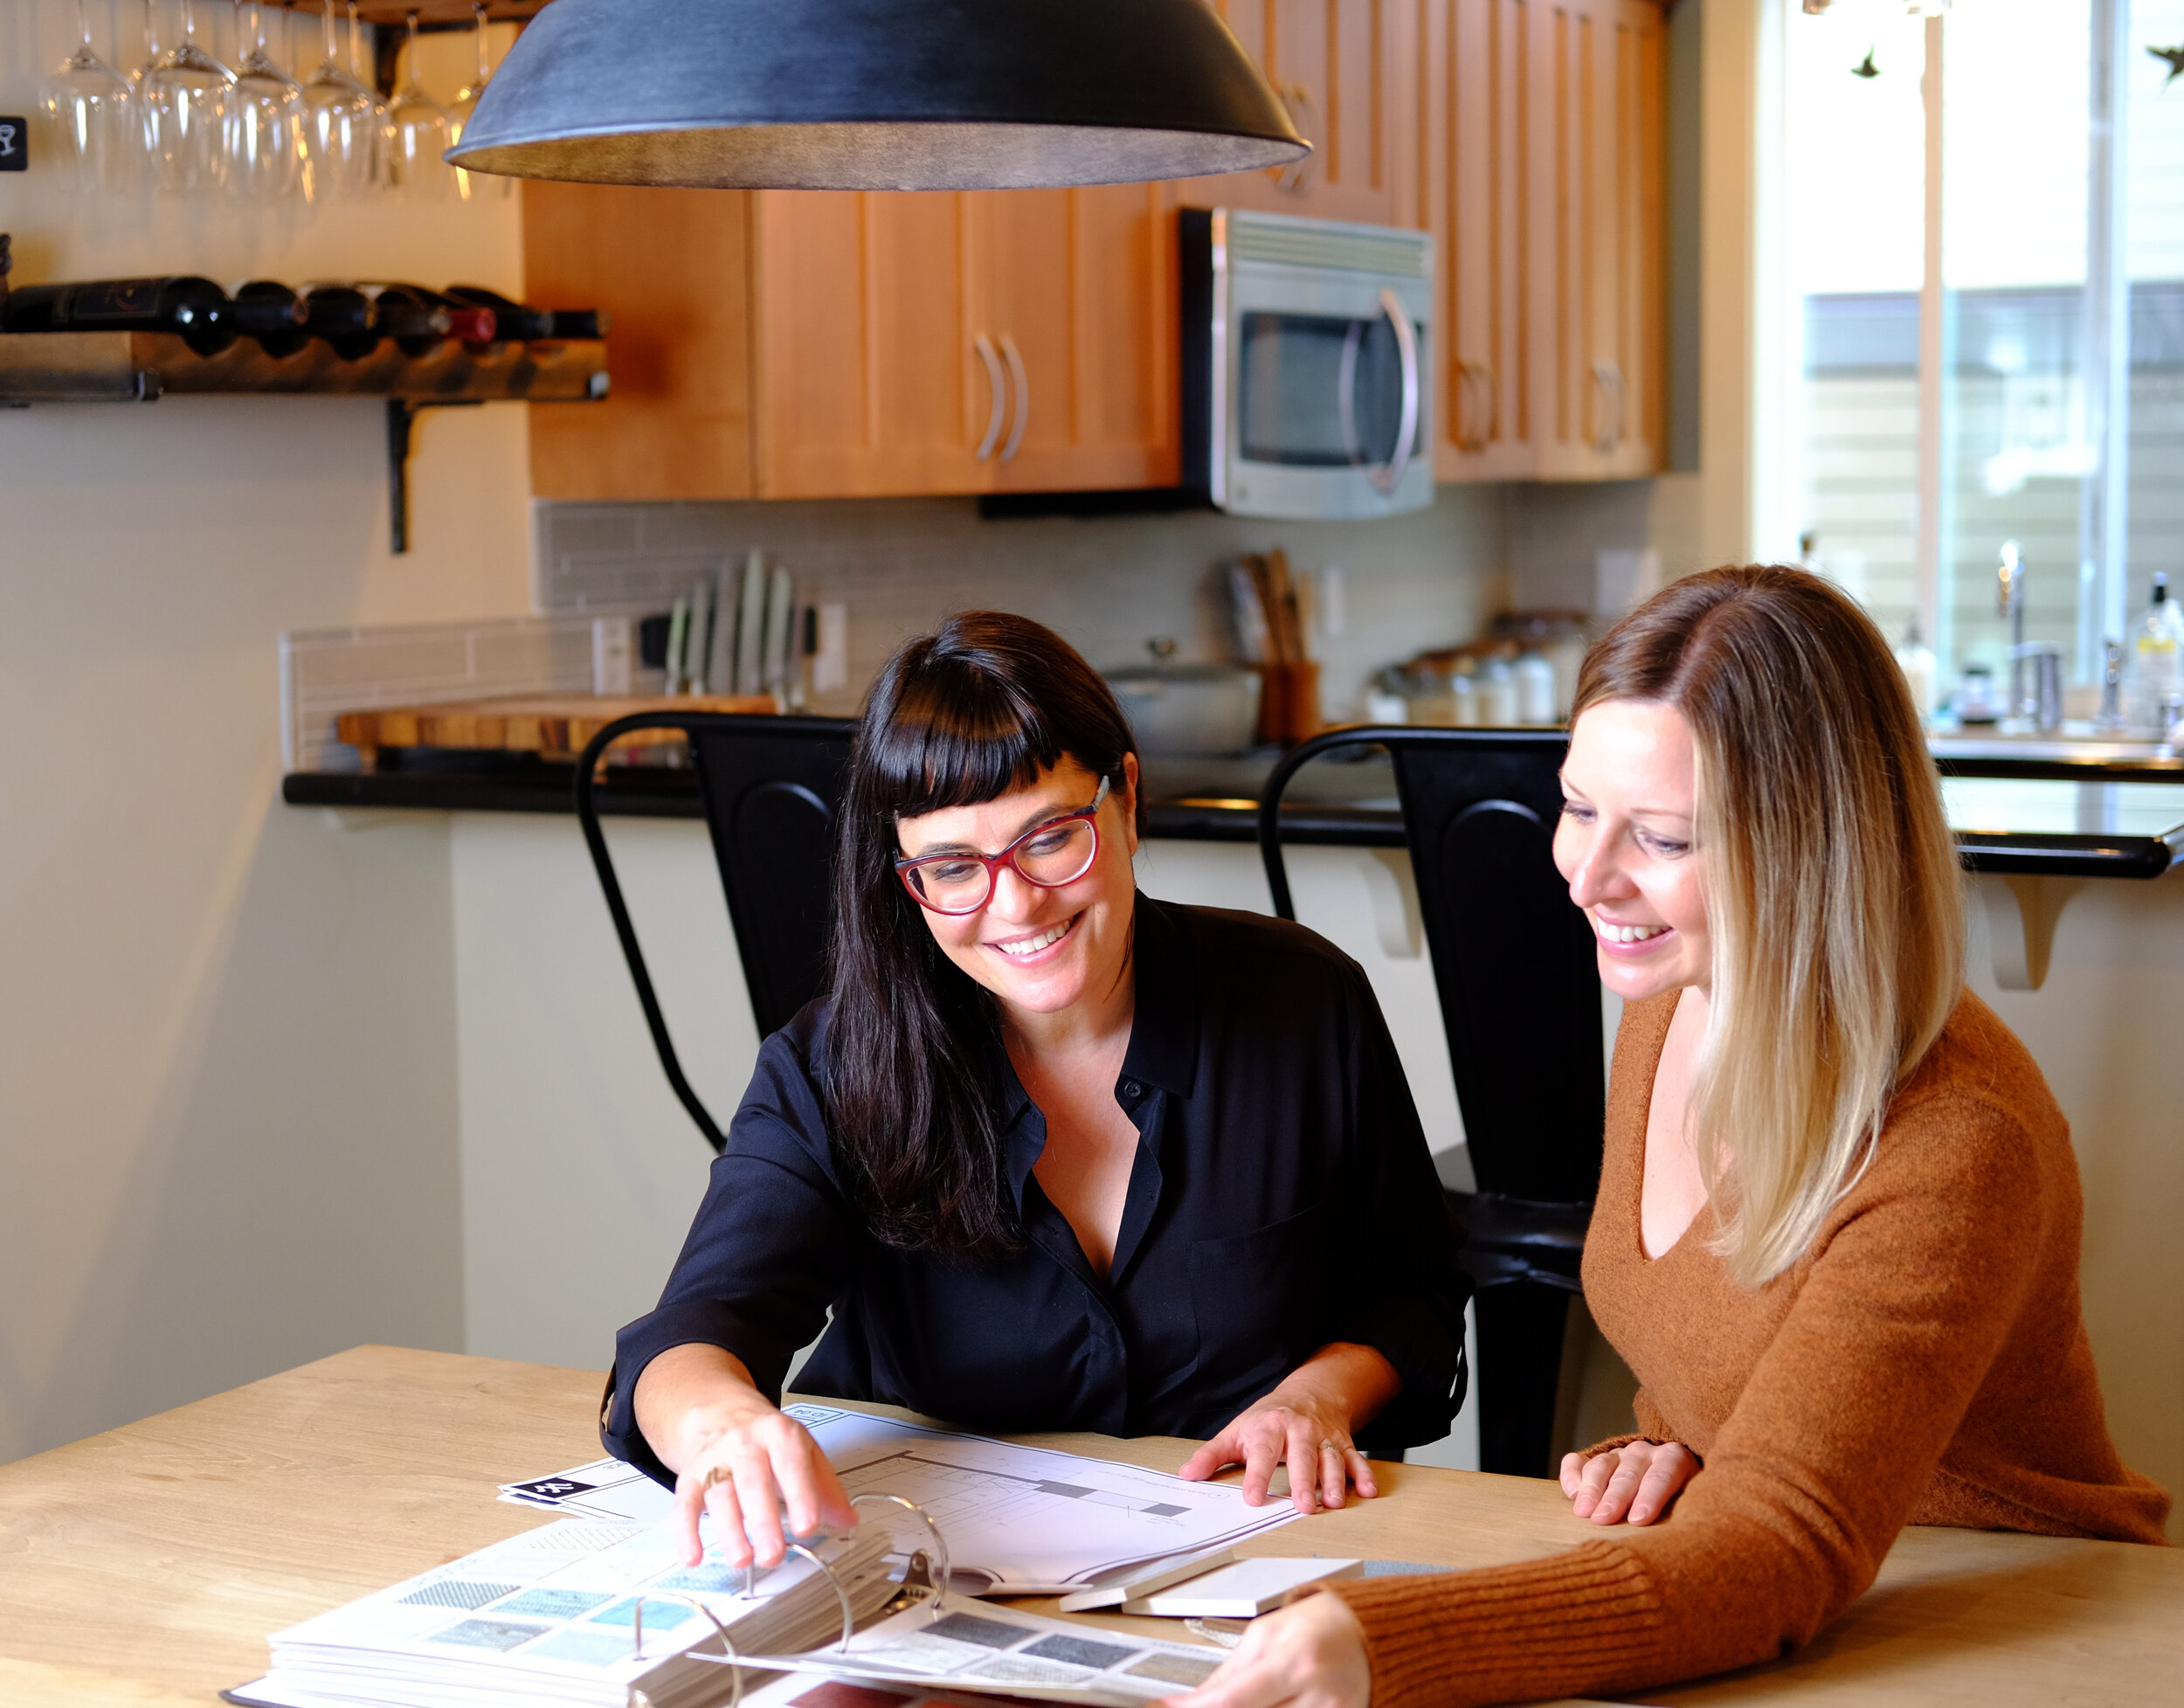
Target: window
{"x": 1995, "y": 352}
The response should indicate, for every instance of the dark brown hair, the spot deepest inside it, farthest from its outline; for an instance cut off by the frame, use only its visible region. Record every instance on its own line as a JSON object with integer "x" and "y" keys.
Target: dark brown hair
{"x": 983, "y": 705}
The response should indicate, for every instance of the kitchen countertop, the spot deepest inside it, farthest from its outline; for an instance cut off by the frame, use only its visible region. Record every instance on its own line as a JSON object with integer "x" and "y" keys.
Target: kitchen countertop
{"x": 2116, "y": 824}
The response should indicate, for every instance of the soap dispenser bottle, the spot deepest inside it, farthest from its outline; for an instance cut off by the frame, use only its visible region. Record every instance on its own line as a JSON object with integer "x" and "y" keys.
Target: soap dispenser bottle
{"x": 2155, "y": 668}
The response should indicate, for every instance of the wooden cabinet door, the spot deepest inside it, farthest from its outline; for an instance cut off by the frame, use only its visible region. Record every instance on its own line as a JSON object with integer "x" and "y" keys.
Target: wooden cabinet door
{"x": 1348, "y": 72}
{"x": 669, "y": 266}
{"x": 1075, "y": 290}
{"x": 1478, "y": 61}
{"x": 866, "y": 382}
{"x": 1598, "y": 285}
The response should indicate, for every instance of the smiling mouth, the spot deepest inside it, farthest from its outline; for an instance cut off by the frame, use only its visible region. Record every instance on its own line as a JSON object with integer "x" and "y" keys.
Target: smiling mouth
{"x": 1624, "y": 934}
{"x": 1018, "y": 948}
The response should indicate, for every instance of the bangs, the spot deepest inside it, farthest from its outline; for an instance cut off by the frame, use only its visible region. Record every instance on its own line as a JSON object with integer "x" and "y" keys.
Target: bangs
{"x": 956, "y": 738}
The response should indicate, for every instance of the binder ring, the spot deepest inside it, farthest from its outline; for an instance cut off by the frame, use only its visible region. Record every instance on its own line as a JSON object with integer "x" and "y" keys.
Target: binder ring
{"x": 849, "y": 1617}
{"x": 942, "y": 1579}
{"x": 637, "y": 1698}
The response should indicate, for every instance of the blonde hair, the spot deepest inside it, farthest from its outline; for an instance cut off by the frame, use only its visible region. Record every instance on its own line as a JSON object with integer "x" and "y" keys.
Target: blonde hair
{"x": 1834, "y": 897}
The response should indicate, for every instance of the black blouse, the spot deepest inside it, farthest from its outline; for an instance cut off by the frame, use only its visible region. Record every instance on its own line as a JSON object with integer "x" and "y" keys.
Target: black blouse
{"x": 1281, "y": 1198}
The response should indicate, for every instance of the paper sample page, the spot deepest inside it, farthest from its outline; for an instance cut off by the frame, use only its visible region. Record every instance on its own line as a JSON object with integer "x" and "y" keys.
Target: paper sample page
{"x": 972, "y": 1646}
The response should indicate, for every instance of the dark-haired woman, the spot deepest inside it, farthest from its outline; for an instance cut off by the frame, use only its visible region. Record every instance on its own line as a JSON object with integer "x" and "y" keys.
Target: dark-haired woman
{"x": 1054, "y": 1155}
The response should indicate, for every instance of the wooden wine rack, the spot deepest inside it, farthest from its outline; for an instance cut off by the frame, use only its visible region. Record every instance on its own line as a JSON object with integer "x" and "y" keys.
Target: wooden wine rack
{"x": 126, "y": 367}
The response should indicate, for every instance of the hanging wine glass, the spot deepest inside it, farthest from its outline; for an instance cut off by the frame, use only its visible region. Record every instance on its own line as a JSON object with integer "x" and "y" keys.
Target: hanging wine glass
{"x": 151, "y": 52}
{"x": 418, "y": 126}
{"x": 469, "y": 187}
{"x": 185, "y": 95}
{"x": 262, "y": 123}
{"x": 88, "y": 102}
{"x": 381, "y": 125}
{"x": 339, "y": 127}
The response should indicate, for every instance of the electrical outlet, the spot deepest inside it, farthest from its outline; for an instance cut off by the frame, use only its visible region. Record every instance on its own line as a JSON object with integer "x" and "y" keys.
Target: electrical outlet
{"x": 614, "y": 644}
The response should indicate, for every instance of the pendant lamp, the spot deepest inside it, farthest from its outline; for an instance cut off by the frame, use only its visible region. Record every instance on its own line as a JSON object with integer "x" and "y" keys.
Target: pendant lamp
{"x": 876, "y": 94}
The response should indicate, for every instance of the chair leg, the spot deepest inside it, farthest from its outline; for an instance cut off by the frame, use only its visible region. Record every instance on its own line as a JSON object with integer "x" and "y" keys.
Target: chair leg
{"x": 1520, "y": 1326}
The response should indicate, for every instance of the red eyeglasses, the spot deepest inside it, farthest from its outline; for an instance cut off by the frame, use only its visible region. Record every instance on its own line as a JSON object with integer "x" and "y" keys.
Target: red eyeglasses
{"x": 1049, "y": 855}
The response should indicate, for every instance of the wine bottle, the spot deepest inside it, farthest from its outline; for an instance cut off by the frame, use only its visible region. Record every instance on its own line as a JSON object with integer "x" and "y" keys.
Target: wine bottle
{"x": 408, "y": 314}
{"x": 528, "y": 325}
{"x": 343, "y": 317}
{"x": 272, "y": 314}
{"x": 195, "y": 309}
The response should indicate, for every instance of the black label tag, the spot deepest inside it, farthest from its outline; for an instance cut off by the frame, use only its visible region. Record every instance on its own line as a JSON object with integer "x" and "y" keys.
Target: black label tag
{"x": 114, "y": 298}
{"x": 15, "y": 145}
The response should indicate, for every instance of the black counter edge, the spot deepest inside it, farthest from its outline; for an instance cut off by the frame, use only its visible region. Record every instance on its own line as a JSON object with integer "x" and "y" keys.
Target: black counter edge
{"x": 674, "y": 795}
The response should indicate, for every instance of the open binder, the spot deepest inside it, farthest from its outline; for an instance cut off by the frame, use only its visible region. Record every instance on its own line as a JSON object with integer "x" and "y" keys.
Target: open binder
{"x": 604, "y": 1616}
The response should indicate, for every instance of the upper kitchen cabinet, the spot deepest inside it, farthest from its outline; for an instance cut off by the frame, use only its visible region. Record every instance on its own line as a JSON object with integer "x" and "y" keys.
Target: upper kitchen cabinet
{"x": 1075, "y": 290}
{"x": 1599, "y": 250}
{"x": 805, "y": 344}
{"x": 672, "y": 267}
{"x": 1347, "y": 71}
{"x": 1544, "y": 182}
{"x": 1477, "y": 59}
{"x": 865, "y": 382}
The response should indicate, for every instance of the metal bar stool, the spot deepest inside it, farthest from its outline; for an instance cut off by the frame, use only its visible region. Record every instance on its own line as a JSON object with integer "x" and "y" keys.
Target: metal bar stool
{"x": 771, "y": 788}
{"x": 1520, "y": 1001}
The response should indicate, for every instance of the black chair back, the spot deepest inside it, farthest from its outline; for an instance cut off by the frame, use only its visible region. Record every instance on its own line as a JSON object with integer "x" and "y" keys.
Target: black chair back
{"x": 771, "y": 788}
{"x": 1520, "y": 1002}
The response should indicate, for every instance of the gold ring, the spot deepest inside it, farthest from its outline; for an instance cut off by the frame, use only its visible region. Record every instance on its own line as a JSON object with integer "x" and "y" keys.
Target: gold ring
{"x": 717, "y": 1474}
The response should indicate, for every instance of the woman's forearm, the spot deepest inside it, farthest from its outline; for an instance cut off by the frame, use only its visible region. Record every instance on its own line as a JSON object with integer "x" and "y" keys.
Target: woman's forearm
{"x": 688, "y": 1395}
{"x": 1354, "y": 1381}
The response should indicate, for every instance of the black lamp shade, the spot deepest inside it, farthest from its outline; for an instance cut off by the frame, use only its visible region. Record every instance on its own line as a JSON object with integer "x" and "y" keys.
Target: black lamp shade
{"x": 876, "y": 94}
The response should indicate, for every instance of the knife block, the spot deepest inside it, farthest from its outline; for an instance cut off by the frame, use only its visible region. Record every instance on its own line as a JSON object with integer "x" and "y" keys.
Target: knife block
{"x": 1289, "y": 702}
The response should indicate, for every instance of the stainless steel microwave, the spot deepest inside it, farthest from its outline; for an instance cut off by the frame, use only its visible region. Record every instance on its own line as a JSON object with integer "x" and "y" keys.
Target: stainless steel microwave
{"x": 1307, "y": 365}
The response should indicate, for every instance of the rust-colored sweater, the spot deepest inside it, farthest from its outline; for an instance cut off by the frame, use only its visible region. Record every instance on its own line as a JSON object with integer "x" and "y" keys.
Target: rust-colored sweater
{"x": 1923, "y": 1363}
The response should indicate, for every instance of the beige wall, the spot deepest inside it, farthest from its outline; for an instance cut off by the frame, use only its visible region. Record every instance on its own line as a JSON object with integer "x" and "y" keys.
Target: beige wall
{"x": 227, "y": 1105}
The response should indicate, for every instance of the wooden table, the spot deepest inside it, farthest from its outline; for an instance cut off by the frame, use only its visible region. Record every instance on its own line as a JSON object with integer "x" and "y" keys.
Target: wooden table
{"x": 149, "y": 1564}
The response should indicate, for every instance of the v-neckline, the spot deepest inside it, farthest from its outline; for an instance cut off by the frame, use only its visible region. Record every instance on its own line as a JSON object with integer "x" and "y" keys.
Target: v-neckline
{"x": 1645, "y": 1143}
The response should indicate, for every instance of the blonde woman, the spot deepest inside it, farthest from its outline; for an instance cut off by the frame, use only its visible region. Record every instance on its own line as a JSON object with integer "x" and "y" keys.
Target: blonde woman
{"x": 1837, "y": 1229}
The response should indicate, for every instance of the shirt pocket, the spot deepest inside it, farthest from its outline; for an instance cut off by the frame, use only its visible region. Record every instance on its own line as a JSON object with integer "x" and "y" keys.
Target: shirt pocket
{"x": 1262, "y": 1299}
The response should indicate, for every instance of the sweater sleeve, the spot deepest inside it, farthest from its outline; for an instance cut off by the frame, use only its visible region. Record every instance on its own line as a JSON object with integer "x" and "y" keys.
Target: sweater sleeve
{"x": 1904, "y": 1304}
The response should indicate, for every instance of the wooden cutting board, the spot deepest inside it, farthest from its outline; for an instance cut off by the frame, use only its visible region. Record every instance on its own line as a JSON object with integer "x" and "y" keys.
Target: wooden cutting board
{"x": 556, "y": 726}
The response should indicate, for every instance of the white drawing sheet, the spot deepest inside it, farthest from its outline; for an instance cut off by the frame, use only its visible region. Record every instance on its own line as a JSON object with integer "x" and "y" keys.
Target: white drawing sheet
{"x": 1029, "y": 1520}
{"x": 1017, "y": 1520}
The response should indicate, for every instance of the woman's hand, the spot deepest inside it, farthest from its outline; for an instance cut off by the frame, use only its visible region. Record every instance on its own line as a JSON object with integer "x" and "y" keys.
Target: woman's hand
{"x": 736, "y": 1456}
{"x": 1311, "y": 1654}
{"x": 1639, "y": 1481}
{"x": 1306, "y": 1424}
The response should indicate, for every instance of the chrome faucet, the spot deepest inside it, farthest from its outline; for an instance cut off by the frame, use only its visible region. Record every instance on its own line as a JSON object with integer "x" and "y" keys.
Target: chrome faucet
{"x": 2010, "y": 603}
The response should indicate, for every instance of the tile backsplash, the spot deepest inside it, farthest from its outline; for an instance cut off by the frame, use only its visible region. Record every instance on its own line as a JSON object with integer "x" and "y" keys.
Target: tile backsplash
{"x": 1108, "y": 584}
{"x": 326, "y": 672}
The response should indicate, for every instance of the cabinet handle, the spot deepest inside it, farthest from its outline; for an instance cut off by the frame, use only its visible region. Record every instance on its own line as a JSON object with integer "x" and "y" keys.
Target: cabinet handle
{"x": 984, "y": 345}
{"x": 1023, "y": 397}
{"x": 1384, "y": 478}
{"x": 1477, "y": 380}
{"x": 1609, "y": 377}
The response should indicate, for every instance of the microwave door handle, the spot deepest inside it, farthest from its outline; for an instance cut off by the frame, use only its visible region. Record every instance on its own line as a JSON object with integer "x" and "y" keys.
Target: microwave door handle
{"x": 1384, "y": 478}
{"x": 995, "y": 390}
